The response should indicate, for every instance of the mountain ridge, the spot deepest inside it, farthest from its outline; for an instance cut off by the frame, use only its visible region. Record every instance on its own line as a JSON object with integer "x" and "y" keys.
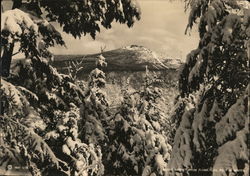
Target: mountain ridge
{"x": 129, "y": 58}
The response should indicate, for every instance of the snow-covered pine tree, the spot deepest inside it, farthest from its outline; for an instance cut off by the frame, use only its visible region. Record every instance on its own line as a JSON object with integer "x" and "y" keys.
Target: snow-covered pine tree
{"x": 138, "y": 145}
{"x": 55, "y": 122}
{"x": 35, "y": 76}
{"x": 16, "y": 139}
{"x": 95, "y": 111}
{"x": 82, "y": 159}
{"x": 214, "y": 80}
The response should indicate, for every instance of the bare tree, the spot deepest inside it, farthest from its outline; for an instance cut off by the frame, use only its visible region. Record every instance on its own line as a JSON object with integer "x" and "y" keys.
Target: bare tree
{"x": 74, "y": 67}
{"x": 103, "y": 48}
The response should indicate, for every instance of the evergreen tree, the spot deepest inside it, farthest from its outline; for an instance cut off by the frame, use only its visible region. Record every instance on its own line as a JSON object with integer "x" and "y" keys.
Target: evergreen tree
{"x": 94, "y": 110}
{"x": 214, "y": 81}
{"x": 54, "y": 124}
{"x": 138, "y": 145}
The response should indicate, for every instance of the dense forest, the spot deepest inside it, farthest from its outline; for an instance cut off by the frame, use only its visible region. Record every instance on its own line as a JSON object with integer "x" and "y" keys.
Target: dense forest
{"x": 56, "y": 123}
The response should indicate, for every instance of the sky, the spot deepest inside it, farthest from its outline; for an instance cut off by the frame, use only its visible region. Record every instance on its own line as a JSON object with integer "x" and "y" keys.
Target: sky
{"x": 160, "y": 29}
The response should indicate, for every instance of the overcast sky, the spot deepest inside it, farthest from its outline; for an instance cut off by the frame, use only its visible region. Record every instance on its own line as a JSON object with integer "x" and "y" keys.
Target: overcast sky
{"x": 160, "y": 29}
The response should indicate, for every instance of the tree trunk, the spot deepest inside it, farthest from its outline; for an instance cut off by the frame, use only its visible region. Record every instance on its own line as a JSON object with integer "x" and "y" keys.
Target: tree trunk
{"x": 6, "y": 60}
{"x": 16, "y": 4}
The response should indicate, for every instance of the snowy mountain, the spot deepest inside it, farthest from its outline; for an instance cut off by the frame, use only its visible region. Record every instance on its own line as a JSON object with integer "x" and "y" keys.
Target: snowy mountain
{"x": 129, "y": 58}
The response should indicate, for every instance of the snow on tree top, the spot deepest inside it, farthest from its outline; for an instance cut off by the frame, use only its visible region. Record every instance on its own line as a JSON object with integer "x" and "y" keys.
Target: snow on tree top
{"x": 13, "y": 20}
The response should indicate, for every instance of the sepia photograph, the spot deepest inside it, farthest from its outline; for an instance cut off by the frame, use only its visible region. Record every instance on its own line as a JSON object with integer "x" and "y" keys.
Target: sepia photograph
{"x": 124, "y": 88}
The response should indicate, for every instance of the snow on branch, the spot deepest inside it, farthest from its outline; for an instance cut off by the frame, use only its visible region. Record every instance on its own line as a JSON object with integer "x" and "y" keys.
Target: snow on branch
{"x": 15, "y": 20}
